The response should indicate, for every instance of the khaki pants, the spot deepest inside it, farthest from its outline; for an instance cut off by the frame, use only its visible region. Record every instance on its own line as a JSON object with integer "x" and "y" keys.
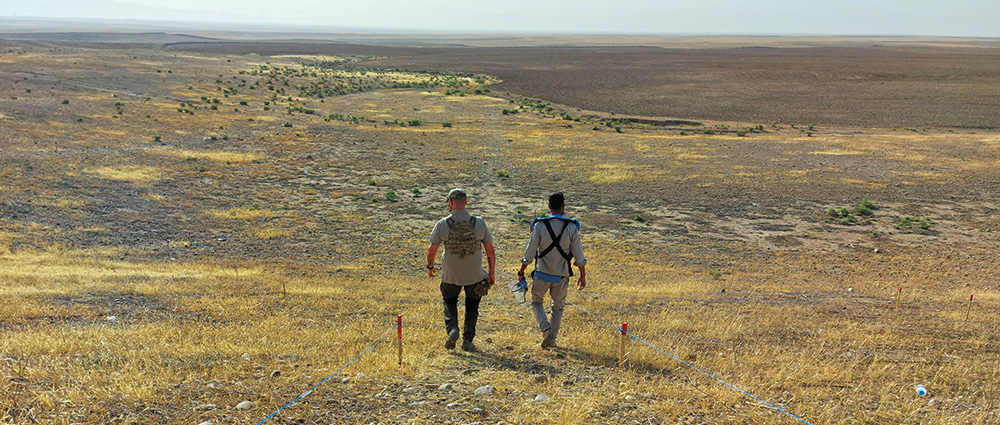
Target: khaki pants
{"x": 558, "y": 293}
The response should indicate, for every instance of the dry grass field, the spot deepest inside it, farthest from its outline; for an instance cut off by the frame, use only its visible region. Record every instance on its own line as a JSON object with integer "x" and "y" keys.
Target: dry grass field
{"x": 184, "y": 231}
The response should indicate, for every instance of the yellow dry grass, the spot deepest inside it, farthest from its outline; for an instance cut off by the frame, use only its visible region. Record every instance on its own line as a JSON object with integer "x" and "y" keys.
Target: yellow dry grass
{"x": 127, "y": 173}
{"x": 242, "y": 213}
{"x": 214, "y": 156}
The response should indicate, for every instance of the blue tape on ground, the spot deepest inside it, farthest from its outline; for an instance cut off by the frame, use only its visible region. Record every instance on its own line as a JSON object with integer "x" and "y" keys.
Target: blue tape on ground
{"x": 637, "y": 338}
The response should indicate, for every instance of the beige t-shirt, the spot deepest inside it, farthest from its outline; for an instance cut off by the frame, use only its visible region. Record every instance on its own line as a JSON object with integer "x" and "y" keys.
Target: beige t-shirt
{"x": 454, "y": 269}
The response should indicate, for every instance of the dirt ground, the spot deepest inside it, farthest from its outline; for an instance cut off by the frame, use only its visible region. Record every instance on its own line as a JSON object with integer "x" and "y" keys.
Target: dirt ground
{"x": 745, "y": 221}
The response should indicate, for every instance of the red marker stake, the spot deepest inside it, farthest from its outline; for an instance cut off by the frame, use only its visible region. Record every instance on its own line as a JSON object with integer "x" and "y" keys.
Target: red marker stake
{"x": 621, "y": 350}
{"x": 898, "y": 296}
{"x": 969, "y": 309}
{"x": 399, "y": 336}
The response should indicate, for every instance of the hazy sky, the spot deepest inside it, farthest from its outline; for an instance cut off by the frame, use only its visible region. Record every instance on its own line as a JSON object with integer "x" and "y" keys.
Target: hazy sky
{"x": 840, "y": 17}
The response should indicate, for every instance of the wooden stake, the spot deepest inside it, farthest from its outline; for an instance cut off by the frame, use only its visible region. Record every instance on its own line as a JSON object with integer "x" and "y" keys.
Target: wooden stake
{"x": 621, "y": 350}
{"x": 399, "y": 336}
{"x": 898, "y": 296}
{"x": 969, "y": 309}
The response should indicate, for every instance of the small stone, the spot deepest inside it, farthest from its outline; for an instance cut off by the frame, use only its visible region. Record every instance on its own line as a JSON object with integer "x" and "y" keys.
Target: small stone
{"x": 541, "y": 398}
{"x": 359, "y": 375}
{"x": 206, "y": 423}
{"x": 112, "y": 319}
{"x": 445, "y": 387}
{"x": 851, "y": 289}
{"x": 541, "y": 378}
{"x": 629, "y": 397}
{"x": 489, "y": 340}
{"x": 205, "y": 407}
{"x": 345, "y": 380}
{"x": 478, "y": 411}
{"x": 525, "y": 356}
{"x": 486, "y": 389}
{"x": 276, "y": 374}
{"x": 244, "y": 405}
{"x": 246, "y": 357}
{"x": 568, "y": 383}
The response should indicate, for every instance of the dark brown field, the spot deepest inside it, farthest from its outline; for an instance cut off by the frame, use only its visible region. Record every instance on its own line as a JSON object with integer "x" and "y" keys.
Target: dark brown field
{"x": 898, "y": 86}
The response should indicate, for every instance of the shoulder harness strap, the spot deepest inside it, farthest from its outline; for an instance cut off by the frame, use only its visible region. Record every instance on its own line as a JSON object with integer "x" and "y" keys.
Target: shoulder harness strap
{"x": 556, "y": 239}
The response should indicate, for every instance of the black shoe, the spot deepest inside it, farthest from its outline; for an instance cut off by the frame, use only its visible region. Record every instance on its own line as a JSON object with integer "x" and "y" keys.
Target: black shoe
{"x": 469, "y": 346}
{"x": 452, "y": 338}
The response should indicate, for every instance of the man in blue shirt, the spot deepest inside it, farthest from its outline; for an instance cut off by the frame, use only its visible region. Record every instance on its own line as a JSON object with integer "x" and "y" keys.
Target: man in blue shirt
{"x": 555, "y": 240}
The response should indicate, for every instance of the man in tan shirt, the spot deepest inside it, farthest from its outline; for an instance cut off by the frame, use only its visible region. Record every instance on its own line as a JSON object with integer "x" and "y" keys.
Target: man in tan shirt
{"x": 464, "y": 238}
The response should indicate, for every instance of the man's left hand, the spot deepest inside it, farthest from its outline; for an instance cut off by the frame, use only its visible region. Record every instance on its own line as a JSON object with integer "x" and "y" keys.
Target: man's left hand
{"x": 491, "y": 279}
{"x": 583, "y": 282}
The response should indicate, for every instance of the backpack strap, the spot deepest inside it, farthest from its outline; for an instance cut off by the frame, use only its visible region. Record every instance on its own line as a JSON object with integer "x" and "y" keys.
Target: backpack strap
{"x": 555, "y": 242}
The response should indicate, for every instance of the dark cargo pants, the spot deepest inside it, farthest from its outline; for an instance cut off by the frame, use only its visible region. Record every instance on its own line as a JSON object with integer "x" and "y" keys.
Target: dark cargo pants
{"x": 450, "y": 293}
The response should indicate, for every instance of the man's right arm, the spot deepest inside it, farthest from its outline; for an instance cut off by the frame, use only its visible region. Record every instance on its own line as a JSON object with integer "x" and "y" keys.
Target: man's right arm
{"x": 433, "y": 248}
{"x": 431, "y": 256}
{"x": 529, "y": 252}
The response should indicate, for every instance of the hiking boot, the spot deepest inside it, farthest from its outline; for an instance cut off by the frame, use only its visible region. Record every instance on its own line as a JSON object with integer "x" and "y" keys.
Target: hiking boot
{"x": 469, "y": 346}
{"x": 548, "y": 338}
{"x": 452, "y": 338}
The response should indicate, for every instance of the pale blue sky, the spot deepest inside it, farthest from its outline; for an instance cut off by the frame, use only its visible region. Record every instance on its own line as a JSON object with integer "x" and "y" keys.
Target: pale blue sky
{"x": 977, "y": 18}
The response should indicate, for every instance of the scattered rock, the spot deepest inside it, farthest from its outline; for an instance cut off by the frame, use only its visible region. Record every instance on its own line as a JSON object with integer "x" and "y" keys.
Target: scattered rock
{"x": 478, "y": 411}
{"x": 345, "y": 380}
{"x": 246, "y": 357}
{"x": 851, "y": 289}
{"x": 568, "y": 383}
{"x": 486, "y": 389}
{"x": 446, "y": 387}
{"x": 205, "y": 407}
{"x": 112, "y": 319}
{"x": 629, "y": 397}
{"x": 359, "y": 375}
{"x": 525, "y": 356}
{"x": 489, "y": 340}
{"x": 276, "y": 374}
{"x": 244, "y": 405}
{"x": 540, "y": 398}
{"x": 206, "y": 423}
{"x": 541, "y": 378}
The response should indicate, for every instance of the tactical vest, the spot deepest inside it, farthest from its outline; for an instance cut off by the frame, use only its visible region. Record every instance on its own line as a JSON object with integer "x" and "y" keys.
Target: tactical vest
{"x": 461, "y": 237}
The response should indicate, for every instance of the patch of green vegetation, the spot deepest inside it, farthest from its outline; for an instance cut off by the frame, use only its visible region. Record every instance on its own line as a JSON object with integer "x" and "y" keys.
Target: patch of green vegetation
{"x": 446, "y": 124}
{"x": 718, "y": 274}
{"x": 909, "y": 222}
{"x": 844, "y": 216}
{"x": 390, "y": 195}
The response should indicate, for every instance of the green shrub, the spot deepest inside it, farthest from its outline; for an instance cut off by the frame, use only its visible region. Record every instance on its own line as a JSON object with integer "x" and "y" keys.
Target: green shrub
{"x": 446, "y": 124}
{"x": 390, "y": 195}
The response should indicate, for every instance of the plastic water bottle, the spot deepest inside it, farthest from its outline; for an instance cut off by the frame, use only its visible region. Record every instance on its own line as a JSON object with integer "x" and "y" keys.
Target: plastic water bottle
{"x": 921, "y": 390}
{"x": 518, "y": 289}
